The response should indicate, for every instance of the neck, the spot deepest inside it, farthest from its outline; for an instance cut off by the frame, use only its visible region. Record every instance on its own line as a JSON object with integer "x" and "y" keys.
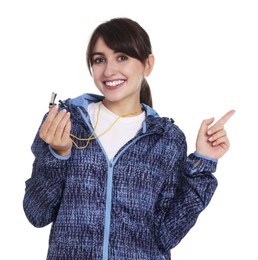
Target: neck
{"x": 121, "y": 108}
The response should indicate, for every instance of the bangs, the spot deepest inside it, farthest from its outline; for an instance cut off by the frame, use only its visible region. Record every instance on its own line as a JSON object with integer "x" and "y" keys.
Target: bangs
{"x": 121, "y": 39}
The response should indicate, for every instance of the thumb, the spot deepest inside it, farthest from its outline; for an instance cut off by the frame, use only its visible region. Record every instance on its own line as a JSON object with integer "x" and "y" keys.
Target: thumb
{"x": 205, "y": 125}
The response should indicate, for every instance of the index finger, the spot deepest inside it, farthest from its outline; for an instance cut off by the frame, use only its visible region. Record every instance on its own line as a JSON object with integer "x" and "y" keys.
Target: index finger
{"x": 226, "y": 117}
{"x": 50, "y": 117}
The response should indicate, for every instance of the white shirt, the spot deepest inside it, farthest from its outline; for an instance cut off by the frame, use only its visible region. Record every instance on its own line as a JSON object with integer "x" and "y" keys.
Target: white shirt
{"x": 120, "y": 133}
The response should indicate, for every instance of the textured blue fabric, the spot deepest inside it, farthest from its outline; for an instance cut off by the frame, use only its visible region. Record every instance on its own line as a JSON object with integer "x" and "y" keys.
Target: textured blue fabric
{"x": 137, "y": 206}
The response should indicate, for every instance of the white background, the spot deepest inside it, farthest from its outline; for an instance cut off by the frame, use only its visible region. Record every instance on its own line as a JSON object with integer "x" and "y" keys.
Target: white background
{"x": 206, "y": 64}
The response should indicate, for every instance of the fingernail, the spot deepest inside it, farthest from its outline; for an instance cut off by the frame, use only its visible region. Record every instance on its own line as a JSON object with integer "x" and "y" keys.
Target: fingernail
{"x": 209, "y": 132}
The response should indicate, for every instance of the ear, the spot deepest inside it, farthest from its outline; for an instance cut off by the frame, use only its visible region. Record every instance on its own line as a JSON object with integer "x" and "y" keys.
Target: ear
{"x": 149, "y": 65}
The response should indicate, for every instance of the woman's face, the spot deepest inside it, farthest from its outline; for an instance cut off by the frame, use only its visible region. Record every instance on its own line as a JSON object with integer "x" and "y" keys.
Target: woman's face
{"x": 117, "y": 76}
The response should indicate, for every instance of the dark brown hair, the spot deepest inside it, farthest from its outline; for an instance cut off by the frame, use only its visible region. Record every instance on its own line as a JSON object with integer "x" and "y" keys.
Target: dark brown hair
{"x": 126, "y": 36}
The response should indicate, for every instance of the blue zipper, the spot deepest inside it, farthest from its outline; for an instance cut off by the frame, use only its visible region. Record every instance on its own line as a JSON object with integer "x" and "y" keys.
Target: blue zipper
{"x": 109, "y": 194}
{"x": 108, "y": 211}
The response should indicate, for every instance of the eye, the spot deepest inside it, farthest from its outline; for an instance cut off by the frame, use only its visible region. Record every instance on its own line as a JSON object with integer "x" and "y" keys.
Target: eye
{"x": 98, "y": 60}
{"x": 122, "y": 58}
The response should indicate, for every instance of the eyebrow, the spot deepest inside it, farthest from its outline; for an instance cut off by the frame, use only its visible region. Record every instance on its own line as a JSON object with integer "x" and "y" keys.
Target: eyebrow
{"x": 98, "y": 53}
{"x": 103, "y": 54}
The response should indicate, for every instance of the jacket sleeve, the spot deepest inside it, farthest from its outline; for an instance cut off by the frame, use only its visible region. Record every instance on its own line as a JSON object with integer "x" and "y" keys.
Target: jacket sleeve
{"x": 188, "y": 190}
{"x": 43, "y": 191}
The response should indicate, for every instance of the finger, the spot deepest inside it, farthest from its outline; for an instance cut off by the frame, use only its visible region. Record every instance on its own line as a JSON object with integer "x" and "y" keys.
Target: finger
{"x": 205, "y": 124}
{"x": 217, "y": 135}
{"x": 59, "y": 133}
{"x": 226, "y": 117}
{"x": 219, "y": 125}
{"x": 222, "y": 141}
{"x": 67, "y": 128}
{"x": 54, "y": 124}
{"x": 52, "y": 113}
{"x": 48, "y": 121}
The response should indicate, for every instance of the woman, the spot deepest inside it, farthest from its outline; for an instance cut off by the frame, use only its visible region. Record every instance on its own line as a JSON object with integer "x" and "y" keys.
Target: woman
{"x": 113, "y": 177}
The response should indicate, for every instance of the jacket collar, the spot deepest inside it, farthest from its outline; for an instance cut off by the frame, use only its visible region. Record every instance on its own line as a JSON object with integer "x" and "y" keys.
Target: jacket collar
{"x": 152, "y": 123}
{"x": 85, "y": 99}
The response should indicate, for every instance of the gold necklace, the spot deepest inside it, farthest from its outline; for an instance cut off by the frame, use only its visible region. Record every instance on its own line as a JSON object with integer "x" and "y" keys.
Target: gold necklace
{"x": 92, "y": 137}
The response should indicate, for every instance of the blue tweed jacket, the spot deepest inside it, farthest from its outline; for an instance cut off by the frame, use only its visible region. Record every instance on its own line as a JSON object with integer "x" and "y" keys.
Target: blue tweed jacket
{"x": 137, "y": 206}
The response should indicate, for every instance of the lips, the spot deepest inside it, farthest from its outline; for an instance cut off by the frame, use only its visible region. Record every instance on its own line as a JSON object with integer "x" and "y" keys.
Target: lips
{"x": 114, "y": 84}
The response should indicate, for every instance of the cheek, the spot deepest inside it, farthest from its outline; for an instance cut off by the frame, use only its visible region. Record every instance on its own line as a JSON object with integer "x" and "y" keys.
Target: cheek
{"x": 135, "y": 71}
{"x": 96, "y": 78}
{"x": 96, "y": 72}
{"x": 97, "y": 83}
{"x": 137, "y": 74}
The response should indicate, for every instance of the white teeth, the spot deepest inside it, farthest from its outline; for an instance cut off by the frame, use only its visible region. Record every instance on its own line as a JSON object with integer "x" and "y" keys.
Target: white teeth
{"x": 114, "y": 83}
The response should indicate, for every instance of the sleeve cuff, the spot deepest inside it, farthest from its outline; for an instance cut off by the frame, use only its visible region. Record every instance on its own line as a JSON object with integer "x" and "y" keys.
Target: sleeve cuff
{"x": 58, "y": 156}
{"x": 197, "y": 163}
{"x": 205, "y": 157}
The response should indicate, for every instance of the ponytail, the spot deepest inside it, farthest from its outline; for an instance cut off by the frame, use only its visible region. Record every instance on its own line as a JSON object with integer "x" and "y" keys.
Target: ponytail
{"x": 145, "y": 94}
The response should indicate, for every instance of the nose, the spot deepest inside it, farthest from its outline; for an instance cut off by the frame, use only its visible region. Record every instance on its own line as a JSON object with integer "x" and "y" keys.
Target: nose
{"x": 110, "y": 68}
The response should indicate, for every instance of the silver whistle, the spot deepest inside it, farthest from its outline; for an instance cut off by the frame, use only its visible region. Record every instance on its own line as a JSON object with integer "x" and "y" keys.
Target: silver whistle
{"x": 52, "y": 100}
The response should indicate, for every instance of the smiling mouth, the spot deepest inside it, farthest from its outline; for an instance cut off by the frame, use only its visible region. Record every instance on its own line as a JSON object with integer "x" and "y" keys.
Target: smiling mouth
{"x": 114, "y": 84}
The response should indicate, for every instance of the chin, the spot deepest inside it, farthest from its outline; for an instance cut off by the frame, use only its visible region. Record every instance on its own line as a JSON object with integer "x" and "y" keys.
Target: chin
{"x": 113, "y": 98}
{"x": 112, "y": 95}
